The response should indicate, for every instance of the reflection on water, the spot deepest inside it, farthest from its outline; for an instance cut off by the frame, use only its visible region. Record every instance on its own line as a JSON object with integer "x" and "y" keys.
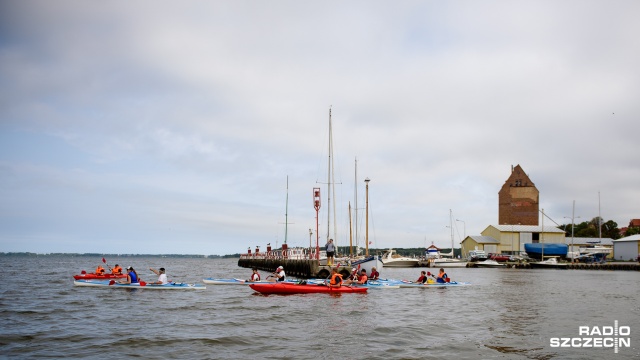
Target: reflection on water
{"x": 506, "y": 313}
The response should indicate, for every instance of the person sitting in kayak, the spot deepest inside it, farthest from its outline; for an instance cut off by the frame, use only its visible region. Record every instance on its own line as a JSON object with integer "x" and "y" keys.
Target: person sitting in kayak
{"x": 117, "y": 270}
{"x": 278, "y": 275}
{"x": 100, "y": 270}
{"x": 336, "y": 278}
{"x": 132, "y": 276}
{"x": 354, "y": 275}
{"x": 162, "y": 276}
{"x": 361, "y": 280}
{"x": 374, "y": 274}
{"x": 423, "y": 277}
{"x": 442, "y": 277}
{"x": 255, "y": 276}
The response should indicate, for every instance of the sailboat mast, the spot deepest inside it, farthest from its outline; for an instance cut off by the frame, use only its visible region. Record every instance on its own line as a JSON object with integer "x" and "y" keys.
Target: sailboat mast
{"x": 286, "y": 213}
{"x": 542, "y": 237}
{"x": 599, "y": 221}
{"x": 329, "y": 182}
{"x": 356, "y": 202}
{"x": 350, "y": 233}
{"x": 451, "y": 228}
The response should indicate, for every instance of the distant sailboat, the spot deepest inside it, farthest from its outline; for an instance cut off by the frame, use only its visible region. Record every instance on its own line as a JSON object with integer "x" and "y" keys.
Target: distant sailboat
{"x": 446, "y": 262}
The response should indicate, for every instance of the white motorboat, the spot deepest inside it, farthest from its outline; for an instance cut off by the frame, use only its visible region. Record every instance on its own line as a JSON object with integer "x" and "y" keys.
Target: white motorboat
{"x": 550, "y": 263}
{"x": 392, "y": 259}
{"x": 448, "y": 263}
{"x": 489, "y": 263}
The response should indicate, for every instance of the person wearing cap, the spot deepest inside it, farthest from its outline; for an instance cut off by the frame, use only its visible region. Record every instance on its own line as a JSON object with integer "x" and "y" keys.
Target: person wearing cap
{"x": 132, "y": 276}
{"x": 331, "y": 250}
{"x": 162, "y": 276}
{"x": 360, "y": 280}
{"x": 277, "y": 275}
{"x": 354, "y": 275}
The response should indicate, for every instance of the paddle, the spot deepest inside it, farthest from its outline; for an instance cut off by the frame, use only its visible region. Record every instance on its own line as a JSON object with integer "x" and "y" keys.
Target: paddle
{"x": 105, "y": 262}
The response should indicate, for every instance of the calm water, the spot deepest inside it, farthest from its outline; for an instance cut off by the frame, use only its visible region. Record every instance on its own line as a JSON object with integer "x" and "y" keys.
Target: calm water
{"x": 506, "y": 314}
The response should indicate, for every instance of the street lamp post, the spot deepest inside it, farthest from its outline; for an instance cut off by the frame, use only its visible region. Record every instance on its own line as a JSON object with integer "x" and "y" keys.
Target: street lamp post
{"x": 464, "y": 225}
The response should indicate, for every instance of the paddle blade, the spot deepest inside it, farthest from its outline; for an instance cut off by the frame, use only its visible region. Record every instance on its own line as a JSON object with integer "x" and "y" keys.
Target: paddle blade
{"x": 142, "y": 283}
{"x": 447, "y": 280}
{"x": 112, "y": 282}
{"x": 104, "y": 261}
{"x": 83, "y": 272}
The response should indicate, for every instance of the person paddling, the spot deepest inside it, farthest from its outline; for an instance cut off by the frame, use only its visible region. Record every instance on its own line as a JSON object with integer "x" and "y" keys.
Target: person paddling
{"x": 336, "y": 278}
{"x": 117, "y": 270}
{"x": 132, "y": 277}
{"x": 277, "y": 275}
{"x": 374, "y": 274}
{"x": 361, "y": 280}
{"x": 255, "y": 276}
{"x": 100, "y": 270}
{"x": 442, "y": 277}
{"x": 162, "y": 276}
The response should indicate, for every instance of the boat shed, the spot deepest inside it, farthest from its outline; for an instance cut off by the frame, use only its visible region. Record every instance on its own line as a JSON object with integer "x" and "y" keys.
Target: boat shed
{"x": 510, "y": 239}
{"x": 478, "y": 242}
{"x": 627, "y": 248}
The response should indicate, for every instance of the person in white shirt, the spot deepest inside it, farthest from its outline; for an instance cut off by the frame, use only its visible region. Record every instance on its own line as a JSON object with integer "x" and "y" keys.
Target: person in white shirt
{"x": 278, "y": 275}
{"x": 162, "y": 277}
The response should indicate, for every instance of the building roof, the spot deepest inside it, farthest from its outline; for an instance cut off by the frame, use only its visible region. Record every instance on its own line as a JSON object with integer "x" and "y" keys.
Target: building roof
{"x": 629, "y": 238}
{"x": 634, "y": 222}
{"x": 588, "y": 241}
{"x": 484, "y": 239}
{"x": 527, "y": 228}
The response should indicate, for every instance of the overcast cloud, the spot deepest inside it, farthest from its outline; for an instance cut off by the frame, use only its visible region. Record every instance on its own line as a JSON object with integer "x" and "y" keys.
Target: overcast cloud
{"x": 164, "y": 127}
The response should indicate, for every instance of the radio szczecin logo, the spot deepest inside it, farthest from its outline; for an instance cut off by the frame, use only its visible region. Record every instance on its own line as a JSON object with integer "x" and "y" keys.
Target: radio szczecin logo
{"x": 596, "y": 337}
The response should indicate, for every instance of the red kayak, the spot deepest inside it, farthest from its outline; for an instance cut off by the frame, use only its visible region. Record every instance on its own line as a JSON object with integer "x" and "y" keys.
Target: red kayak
{"x": 93, "y": 276}
{"x": 292, "y": 288}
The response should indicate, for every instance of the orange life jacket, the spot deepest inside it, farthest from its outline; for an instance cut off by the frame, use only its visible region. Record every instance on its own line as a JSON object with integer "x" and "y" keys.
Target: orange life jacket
{"x": 116, "y": 270}
{"x": 336, "y": 280}
{"x": 100, "y": 270}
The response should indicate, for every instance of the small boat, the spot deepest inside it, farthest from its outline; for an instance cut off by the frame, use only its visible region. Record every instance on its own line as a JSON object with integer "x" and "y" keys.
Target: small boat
{"x": 448, "y": 263}
{"x": 391, "y": 259}
{"x": 140, "y": 285}
{"x": 93, "y": 276}
{"x": 537, "y": 250}
{"x": 489, "y": 263}
{"x": 550, "y": 263}
{"x": 215, "y": 281}
{"x": 411, "y": 284}
{"x": 289, "y": 288}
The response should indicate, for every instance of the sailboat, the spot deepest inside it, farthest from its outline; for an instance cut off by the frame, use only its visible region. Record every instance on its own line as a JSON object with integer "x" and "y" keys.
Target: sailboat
{"x": 444, "y": 261}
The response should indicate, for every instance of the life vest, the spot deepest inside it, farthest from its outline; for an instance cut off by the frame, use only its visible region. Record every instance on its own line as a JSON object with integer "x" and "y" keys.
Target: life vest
{"x": 422, "y": 279}
{"x": 100, "y": 270}
{"x": 443, "y": 278}
{"x": 362, "y": 279}
{"x": 336, "y": 280}
{"x": 255, "y": 277}
{"x": 374, "y": 275}
{"x": 116, "y": 270}
{"x": 134, "y": 277}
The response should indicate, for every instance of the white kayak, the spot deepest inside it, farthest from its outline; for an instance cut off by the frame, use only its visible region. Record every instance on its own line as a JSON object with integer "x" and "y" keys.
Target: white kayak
{"x": 214, "y": 281}
{"x": 411, "y": 284}
{"x": 140, "y": 285}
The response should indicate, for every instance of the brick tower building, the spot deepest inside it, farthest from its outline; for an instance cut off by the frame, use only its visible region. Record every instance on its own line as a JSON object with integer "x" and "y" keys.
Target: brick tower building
{"x": 518, "y": 200}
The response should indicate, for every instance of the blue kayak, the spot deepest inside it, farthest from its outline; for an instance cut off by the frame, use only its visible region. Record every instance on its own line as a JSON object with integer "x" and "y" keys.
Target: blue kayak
{"x": 141, "y": 285}
{"x": 411, "y": 284}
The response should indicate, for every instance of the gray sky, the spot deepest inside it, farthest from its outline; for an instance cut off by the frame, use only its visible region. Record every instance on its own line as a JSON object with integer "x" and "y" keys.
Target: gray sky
{"x": 171, "y": 127}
